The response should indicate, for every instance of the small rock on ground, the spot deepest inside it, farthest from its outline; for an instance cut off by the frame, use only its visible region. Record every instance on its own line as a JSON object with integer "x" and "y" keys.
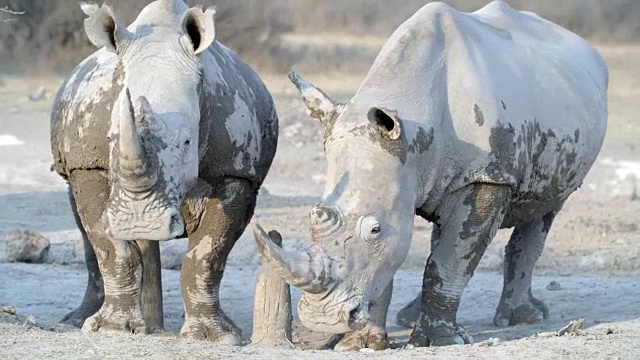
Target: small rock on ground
{"x": 8, "y": 309}
{"x": 26, "y": 246}
{"x": 554, "y": 286}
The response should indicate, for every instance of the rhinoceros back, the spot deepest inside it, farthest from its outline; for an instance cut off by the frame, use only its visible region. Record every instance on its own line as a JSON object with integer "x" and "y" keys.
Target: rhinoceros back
{"x": 512, "y": 99}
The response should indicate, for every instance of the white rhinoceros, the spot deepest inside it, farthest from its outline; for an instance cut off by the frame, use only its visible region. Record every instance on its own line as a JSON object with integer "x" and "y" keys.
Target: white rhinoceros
{"x": 163, "y": 132}
{"x": 474, "y": 121}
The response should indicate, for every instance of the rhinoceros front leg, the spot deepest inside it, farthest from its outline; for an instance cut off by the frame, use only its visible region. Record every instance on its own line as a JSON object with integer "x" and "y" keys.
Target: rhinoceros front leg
{"x": 118, "y": 260}
{"x": 374, "y": 335}
{"x": 215, "y": 218}
{"x": 408, "y": 315}
{"x": 468, "y": 220}
{"x": 517, "y": 304}
{"x": 94, "y": 293}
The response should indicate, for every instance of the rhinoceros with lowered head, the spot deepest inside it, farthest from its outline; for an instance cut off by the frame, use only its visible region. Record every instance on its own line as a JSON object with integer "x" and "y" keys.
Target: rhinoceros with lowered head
{"x": 162, "y": 133}
{"x": 474, "y": 121}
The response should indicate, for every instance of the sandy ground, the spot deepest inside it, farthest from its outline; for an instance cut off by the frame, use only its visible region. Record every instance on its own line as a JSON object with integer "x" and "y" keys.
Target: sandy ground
{"x": 609, "y": 306}
{"x": 592, "y": 249}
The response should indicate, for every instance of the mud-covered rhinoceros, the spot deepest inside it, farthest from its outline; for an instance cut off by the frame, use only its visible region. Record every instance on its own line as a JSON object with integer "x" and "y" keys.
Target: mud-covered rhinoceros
{"x": 163, "y": 132}
{"x": 474, "y": 121}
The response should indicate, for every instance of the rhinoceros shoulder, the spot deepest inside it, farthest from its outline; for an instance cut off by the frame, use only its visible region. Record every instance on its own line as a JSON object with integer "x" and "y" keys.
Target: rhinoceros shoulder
{"x": 239, "y": 124}
{"x": 81, "y": 113}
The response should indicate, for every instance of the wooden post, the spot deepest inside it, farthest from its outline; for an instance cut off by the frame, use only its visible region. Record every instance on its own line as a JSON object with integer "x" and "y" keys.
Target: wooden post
{"x": 151, "y": 299}
{"x": 271, "y": 307}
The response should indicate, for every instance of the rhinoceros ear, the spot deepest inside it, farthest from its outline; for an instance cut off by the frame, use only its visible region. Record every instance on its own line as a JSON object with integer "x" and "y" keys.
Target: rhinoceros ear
{"x": 387, "y": 120}
{"x": 103, "y": 29}
{"x": 199, "y": 27}
{"x": 319, "y": 105}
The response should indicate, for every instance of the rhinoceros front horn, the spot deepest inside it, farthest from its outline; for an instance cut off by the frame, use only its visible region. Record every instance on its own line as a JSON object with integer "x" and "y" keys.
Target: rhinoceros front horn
{"x": 309, "y": 270}
{"x": 135, "y": 172}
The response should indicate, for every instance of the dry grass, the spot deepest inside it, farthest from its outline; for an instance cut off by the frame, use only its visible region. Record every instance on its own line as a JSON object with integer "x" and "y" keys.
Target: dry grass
{"x": 591, "y": 18}
{"x": 624, "y": 92}
{"x": 343, "y": 78}
{"x": 49, "y": 35}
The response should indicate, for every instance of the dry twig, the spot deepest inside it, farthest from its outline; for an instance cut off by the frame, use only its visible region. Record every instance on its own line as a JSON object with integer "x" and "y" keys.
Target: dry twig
{"x": 6, "y": 10}
{"x": 573, "y": 328}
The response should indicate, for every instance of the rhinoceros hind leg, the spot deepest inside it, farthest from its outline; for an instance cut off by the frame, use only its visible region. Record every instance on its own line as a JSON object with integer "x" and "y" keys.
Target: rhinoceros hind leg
{"x": 468, "y": 221}
{"x": 214, "y": 220}
{"x": 118, "y": 260}
{"x": 94, "y": 293}
{"x": 408, "y": 315}
{"x": 517, "y": 304}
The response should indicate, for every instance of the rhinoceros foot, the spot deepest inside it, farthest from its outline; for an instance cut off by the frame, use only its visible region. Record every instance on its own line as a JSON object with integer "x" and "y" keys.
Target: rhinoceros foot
{"x": 78, "y": 316}
{"x": 529, "y": 311}
{"x": 92, "y": 302}
{"x": 439, "y": 333}
{"x": 408, "y": 315}
{"x": 218, "y": 329}
{"x": 108, "y": 319}
{"x": 371, "y": 337}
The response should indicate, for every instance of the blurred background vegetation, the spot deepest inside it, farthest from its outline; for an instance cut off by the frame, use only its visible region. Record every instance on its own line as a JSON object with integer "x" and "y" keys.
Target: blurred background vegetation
{"x": 278, "y": 34}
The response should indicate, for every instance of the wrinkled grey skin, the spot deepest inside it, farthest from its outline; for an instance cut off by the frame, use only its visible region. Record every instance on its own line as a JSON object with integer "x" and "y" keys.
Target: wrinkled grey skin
{"x": 163, "y": 132}
{"x": 474, "y": 121}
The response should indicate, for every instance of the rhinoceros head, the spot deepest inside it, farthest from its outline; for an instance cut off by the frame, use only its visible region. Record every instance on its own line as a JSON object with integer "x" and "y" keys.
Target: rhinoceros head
{"x": 361, "y": 231}
{"x": 155, "y": 119}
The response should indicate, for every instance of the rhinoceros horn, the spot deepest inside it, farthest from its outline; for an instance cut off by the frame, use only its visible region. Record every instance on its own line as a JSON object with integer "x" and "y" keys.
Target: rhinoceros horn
{"x": 135, "y": 172}
{"x": 308, "y": 270}
{"x": 319, "y": 105}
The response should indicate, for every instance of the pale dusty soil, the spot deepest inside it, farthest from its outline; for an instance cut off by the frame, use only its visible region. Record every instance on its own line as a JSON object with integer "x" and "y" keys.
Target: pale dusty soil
{"x": 594, "y": 237}
{"x": 608, "y": 304}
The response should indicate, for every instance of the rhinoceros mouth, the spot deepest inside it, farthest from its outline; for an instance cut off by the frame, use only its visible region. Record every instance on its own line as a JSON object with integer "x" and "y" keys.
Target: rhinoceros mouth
{"x": 146, "y": 219}
{"x": 331, "y": 316}
{"x": 166, "y": 228}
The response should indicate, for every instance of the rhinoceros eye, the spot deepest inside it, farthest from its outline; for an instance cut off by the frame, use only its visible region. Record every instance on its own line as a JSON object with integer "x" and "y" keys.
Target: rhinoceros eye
{"x": 370, "y": 228}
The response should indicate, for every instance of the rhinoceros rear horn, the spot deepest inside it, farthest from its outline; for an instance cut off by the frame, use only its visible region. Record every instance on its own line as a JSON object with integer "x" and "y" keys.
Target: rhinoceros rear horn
{"x": 319, "y": 105}
{"x": 308, "y": 271}
{"x": 134, "y": 170}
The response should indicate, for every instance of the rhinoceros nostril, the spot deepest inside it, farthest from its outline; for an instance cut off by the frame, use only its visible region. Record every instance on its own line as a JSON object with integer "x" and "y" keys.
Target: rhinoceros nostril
{"x": 326, "y": 223}
{"x": 176, "y": 225}
{"x": 319, "y": 215}
{"x": 357, "y": 320}
{"x": 353, "y": 315}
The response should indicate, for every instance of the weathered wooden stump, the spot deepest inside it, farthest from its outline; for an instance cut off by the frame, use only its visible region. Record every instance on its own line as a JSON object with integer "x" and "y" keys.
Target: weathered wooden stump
{"x": 271, "y": 307}
{"x": 152, "y": 310}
